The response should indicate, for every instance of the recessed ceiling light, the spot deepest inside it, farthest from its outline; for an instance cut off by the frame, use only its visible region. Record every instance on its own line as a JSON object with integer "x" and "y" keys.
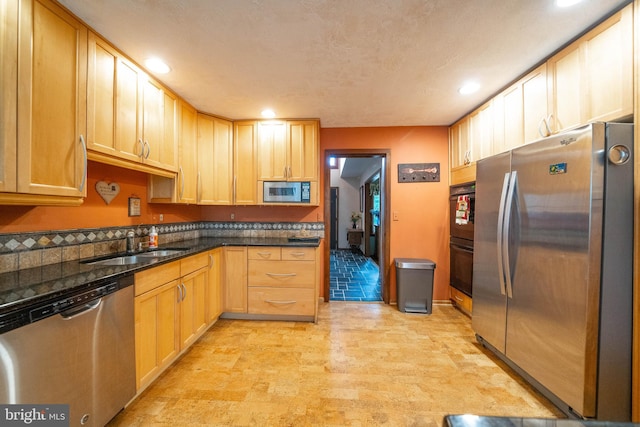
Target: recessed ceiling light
{"x": 468, "y": 88}
{"x": 268, "y": 113}
{"x": 566, "y": 3}
{"x": 157, "y": 65}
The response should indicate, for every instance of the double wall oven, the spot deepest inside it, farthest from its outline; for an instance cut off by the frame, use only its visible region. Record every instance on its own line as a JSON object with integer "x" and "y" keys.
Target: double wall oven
{"x": 461, "y": 212}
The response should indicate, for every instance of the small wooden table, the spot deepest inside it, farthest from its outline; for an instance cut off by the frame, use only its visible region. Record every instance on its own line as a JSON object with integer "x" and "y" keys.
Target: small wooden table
{"x": 354, "y": 237}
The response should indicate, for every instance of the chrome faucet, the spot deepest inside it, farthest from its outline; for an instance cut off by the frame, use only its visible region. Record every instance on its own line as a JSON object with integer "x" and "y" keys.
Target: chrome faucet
{"x": 130, "y": 242}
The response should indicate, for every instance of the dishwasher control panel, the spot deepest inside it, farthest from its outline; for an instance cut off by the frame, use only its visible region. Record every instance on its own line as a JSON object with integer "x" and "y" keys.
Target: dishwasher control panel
{"x": 61, "y": 302}
{"x": 61, "y": 305}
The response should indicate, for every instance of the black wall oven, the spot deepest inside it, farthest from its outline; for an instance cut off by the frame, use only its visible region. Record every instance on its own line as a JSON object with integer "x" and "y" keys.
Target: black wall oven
{"x": 461, "y": 212}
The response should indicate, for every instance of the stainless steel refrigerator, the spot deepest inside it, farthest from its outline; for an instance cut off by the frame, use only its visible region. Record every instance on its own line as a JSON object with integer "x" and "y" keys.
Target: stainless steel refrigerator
{"x": 552, "y": 269}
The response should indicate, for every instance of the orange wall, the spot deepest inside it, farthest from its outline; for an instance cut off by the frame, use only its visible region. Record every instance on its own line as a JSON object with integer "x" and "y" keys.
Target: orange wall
{"x": 420, "y": 232}
{"x": 94, "y": 212}
{"x": 422, "y": 228}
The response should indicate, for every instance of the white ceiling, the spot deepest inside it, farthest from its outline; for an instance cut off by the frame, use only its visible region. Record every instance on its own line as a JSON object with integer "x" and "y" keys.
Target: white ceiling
{"x": 350, "y": 63}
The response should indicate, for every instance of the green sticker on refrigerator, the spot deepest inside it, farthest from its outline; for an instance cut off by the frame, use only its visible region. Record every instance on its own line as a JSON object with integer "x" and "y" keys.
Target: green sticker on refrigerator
{"x": 557, "y": 169}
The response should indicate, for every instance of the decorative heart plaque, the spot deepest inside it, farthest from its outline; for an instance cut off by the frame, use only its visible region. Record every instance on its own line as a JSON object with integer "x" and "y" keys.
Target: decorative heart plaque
{"x": 107, "y": 190}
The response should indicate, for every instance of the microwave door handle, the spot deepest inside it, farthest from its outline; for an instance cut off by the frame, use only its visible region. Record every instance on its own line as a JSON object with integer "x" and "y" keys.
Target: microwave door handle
{"x": 500, "y": 231}
{"x": 513, "y": 182}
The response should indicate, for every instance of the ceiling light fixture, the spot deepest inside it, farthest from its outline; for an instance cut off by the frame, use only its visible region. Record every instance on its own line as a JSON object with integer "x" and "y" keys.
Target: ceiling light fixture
{"x": 566, "y": 3}
{"x": 157, "y": 65}
{"x": 268, "y": 113}
{"x": 469, "y": 88}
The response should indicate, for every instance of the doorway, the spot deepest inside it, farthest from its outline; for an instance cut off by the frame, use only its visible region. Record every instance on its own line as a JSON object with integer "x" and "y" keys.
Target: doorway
{"x": 381, "y": 234}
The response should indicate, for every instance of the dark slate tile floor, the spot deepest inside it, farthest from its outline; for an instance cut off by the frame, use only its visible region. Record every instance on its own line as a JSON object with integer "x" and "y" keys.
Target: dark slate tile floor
{"x": 353, "y": 277}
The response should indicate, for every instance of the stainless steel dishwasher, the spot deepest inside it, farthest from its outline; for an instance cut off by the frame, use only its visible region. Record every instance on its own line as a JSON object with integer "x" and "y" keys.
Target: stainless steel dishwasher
{"x": 76, "y": 349}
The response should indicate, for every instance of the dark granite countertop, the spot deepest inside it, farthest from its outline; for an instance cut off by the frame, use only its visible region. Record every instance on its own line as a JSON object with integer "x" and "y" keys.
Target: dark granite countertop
{"x": 481, "y": 421}
{"x": 30, "y": 286}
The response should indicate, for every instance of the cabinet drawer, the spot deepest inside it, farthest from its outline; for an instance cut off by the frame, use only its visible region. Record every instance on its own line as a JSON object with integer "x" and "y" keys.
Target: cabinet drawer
{"x": 266, "y": 252}
{"x": 297, "y": 274}
{"x": 299, "y": 254}
{"x": 152, "y": 278}
{"x": 287, "y": 301}
{"x": 193, "y": 263}
{"x": 462, "y": 301}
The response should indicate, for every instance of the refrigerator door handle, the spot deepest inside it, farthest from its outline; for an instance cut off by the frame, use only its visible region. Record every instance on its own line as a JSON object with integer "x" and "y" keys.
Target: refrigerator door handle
{"x": 505, "y": 233}
{"x": 503, "y": 199}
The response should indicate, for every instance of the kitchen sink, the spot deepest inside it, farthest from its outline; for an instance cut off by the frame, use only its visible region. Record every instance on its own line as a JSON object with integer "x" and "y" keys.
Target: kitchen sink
{"x": 119, "y": 260}
{"x": 160, "y": 253}
{"x": 141, "y": 257}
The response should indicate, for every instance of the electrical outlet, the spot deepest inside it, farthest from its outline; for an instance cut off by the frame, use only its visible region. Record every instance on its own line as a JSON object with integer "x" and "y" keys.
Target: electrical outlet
{"x": 161, "y": 217}
{"x": 233, "y": 216}
{"x": 395, "y": 216}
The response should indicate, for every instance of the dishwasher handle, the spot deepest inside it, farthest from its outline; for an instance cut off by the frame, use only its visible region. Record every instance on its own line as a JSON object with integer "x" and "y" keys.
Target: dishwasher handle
{"x": 83, "y": 309}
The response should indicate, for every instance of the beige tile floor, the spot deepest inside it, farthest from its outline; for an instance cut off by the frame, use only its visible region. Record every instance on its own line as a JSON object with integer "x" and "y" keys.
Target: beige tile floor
{"x": 362, "y": 364}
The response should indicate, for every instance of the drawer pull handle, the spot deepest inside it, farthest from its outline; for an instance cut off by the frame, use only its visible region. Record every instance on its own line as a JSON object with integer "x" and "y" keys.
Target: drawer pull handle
{"x": 458, "y": 298}
{"x": 281, "y": 274}
{"x": 264, "y": 254}
{"x": 297, "y": 253}
{"x": 270, "y": 301}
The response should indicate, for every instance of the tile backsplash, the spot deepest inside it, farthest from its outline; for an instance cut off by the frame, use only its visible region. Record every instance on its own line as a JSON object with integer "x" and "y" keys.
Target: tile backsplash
{"x": 26, "y": 250}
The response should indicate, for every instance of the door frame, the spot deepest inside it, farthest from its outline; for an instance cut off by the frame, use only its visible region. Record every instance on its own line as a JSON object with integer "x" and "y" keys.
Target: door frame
{"x": 385, "y": 186}
{"x": 333, "y": 233}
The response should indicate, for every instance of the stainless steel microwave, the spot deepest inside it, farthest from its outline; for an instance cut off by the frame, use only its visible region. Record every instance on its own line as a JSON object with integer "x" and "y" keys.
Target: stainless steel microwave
{"x": 286, "y": 192}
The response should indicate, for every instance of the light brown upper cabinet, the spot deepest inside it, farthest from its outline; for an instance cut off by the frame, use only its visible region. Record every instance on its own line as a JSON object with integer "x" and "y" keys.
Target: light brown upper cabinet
{"x": 245, "y": 163}
{"x": 8, "y": 95}
{"x": 131, "y": 117}
{"x": 180, "y": 187}
{"x": 272, "y": 151}
{"x": 215, "y": 161}
{"x": 462, "y": 169}
{"x": 520, "y": 112}
{"x": 303, "y": 150}
{"x": 288, "y": 150}
{"x": 45, "y": 156}
{"x": 481, "y": 132}
{"x": 592, "y": 79}
{"x": 188, "y": 155}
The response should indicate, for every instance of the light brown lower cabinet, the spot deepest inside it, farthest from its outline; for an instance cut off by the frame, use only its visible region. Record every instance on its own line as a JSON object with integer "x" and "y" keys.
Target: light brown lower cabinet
{"x": 172, "y": 307}
{"x": 176, "y": 302}
{"x": 282, "y": 281}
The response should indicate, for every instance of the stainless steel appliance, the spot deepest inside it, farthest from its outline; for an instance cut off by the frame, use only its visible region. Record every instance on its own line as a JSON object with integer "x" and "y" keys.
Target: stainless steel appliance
{"x": 77, "y": 350}
{"x": 461, "y": 226}
{"x": 286, "y": 192}
{"x": 552, "y": 292}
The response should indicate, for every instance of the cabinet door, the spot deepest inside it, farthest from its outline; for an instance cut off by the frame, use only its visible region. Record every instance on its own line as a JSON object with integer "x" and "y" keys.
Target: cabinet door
{"x": 214, "y": 290}
{"x": 481, "y": 132}
{"x": 235, "y": 279}
{"x": 156, "y": 342}
{"x": 512, "y": 118}
{"x": 193, "y": 320}
{"x": 303, "y": 150}
{"x": 534, "y": 105}
{"x": 188, "y": 155}
{"x": 459, "y": 142}
{"x": 152, "y": 120}
{"x": 159, "y": 126}
{"x": 245, "y": 163}
{"x": 608, "y": 51}
{"x": 51, "y": 101}
{"x": 8, "y": 94}
{"x": 215, "y": 161}
{"x": 565, "y": 88}
{"x": 129, "y": 141}
{"x": 101, "y": 96}
{"x": 272, "y": 151}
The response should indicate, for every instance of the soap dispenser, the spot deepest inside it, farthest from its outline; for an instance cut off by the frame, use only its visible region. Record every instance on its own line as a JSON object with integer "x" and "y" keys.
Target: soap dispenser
{"x": 153, "y": 237}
